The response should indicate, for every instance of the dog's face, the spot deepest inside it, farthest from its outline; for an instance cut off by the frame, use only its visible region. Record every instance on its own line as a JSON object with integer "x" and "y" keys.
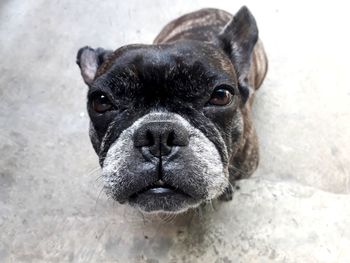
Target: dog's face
{"x": 165, "y": 121}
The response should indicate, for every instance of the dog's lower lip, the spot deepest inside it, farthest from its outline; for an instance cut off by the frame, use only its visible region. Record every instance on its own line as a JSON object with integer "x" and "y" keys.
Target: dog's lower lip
{"x": 159, "y": 189}
{"x": 158, "y": 192}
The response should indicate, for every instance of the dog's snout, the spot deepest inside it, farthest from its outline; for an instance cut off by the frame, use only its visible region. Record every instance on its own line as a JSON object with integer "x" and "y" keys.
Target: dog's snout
{"x": 161, "y": 136}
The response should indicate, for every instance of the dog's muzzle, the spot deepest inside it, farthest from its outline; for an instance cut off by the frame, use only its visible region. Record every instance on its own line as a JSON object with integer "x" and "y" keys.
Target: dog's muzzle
{"x": 163, "y": 163}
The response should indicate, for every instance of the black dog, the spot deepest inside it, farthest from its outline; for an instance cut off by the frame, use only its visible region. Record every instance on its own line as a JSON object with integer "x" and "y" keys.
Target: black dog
{"x": 171, "y": 122}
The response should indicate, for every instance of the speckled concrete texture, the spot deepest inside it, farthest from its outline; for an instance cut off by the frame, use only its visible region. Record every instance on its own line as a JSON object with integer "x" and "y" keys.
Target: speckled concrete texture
{"x": 296, "y": 208}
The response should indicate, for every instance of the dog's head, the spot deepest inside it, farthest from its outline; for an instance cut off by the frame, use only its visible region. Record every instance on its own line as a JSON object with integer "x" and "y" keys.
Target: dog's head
{"x": 166, "y": 120}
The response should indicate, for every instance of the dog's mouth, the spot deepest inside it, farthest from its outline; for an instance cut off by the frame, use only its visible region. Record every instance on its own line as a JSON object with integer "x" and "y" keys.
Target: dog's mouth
{"x": 159, "y": 189}
{"x": 160, "y": 196}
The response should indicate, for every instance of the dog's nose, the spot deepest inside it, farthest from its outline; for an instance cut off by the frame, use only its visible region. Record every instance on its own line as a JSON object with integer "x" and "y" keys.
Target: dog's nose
{"x": 161, "y": 136}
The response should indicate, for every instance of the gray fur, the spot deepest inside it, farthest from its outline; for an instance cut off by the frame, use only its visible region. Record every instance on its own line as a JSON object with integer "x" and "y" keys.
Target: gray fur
{"x": 200, "y": 165}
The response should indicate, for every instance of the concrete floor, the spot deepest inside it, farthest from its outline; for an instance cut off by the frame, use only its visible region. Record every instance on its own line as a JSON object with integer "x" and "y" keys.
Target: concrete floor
{"x": 295, "y": 209}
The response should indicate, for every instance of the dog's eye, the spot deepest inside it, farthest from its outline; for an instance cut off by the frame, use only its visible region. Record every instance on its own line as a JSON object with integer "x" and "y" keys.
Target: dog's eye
{"x": 220, "y": 97}
{"x": 100, "y": 103}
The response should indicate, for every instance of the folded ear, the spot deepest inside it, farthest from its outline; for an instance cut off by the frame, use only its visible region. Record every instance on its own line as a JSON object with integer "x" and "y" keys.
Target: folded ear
{"x": 238, "y": 39}
{"x": 89, "y": 60}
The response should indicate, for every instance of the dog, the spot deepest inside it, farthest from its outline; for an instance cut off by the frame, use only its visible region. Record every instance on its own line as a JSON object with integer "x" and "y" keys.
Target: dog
{"x": 171, "y": 122}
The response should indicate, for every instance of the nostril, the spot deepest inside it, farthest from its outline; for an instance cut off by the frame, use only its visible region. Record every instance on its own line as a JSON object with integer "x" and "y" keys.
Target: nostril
{"x": 149, "y": 138}
{"x": 144, "y": 138}
{"x": 171, "y": 138}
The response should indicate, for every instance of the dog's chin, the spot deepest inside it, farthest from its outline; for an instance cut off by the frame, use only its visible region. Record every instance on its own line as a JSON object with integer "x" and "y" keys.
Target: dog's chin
{"x": 162, "y": 199}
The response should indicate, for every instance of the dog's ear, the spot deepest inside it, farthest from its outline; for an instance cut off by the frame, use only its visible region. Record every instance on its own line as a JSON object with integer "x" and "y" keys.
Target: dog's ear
{"x": 89, "y": 60}
{"x": 238, "y": 39}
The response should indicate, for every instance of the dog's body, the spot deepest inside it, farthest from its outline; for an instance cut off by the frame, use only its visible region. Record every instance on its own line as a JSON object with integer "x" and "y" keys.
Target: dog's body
{"x": 171, "y": 122}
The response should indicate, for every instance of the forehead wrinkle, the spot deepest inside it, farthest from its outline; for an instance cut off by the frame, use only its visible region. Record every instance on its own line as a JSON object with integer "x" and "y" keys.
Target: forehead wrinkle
{"x": 168, "y": 66}
{"x": 108, "y": 63}
{"x": 160, "y": 69}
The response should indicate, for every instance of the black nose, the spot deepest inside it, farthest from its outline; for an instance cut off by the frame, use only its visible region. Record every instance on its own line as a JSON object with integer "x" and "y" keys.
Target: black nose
{"x": 161, "y": 136}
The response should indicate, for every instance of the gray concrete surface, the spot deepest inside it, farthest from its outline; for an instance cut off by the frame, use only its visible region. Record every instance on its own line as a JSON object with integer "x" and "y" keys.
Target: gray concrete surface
{"x": 295, "y": 209}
